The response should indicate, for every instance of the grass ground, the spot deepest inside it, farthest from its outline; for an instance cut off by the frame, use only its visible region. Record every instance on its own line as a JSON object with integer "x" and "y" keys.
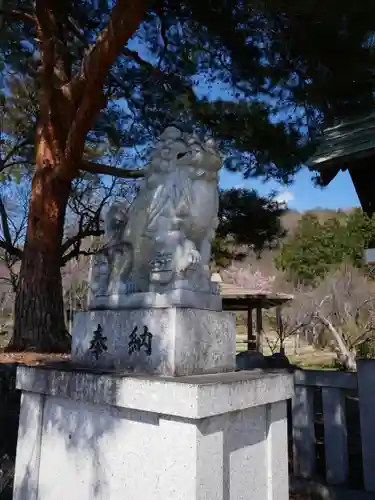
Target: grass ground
{"x": 306, "y": 356}
{"x": 4, "y": 339}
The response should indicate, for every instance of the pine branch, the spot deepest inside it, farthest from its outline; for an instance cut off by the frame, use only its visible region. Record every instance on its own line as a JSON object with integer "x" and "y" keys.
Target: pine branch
{"x": 97, "y": 168}
{"x": 172, "y": 80}
{"x": 87, "y": 87}
{"x": 18, "y": 14}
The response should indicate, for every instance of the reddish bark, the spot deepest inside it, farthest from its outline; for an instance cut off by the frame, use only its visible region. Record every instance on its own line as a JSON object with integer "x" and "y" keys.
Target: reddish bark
{"x": 68, "y": 107}
{"x": 39, "y": 312}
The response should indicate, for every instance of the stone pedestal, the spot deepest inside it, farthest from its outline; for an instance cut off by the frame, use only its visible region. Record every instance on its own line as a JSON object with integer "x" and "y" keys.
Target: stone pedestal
{"x": 166, "y": 341}
{"x": 178, "y": 297}
{"x": 85, "y": 436}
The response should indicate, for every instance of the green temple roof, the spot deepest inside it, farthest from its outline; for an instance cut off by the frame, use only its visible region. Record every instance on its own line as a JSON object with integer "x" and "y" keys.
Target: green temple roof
{"x": 344, "y": 142}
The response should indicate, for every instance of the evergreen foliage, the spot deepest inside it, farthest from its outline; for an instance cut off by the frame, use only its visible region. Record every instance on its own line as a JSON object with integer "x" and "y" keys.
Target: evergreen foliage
{"x": 316, "y": 247}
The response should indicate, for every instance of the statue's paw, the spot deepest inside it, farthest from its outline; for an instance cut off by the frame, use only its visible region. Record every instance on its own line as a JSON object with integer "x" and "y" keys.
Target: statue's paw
{"x": 194, "y": 258}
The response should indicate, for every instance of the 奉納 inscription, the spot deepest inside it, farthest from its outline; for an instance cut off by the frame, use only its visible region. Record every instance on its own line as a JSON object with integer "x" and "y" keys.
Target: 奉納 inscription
{"x": 138, "y": 341}
{"x": 98, "y": 343}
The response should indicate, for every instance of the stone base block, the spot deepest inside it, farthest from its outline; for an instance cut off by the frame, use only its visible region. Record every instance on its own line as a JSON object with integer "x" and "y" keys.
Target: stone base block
{"x": 171, "y": 342}
{"x": 86, "y": 436}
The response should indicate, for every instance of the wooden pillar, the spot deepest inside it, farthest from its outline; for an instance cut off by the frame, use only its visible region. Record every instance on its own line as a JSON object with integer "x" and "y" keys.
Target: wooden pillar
{"x": 259, "y": 329}
{"x": 304, "y": 452}
{"x": 250, "y": 335}
{"x": 335, "y": 436}
{"x": 280, "y": 329}
{"x": 366, "y": 393}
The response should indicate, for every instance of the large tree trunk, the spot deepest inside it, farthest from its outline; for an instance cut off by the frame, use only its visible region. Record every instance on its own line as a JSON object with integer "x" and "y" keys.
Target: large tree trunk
{"x": 39, "y": 309}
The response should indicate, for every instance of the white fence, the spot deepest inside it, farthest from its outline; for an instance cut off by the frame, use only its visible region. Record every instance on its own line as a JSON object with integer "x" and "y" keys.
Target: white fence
{"x": 345, "y": 403}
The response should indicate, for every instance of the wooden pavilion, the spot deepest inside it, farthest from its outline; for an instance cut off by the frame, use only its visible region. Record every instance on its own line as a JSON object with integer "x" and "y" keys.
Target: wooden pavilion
{"x": 239, "y": 299}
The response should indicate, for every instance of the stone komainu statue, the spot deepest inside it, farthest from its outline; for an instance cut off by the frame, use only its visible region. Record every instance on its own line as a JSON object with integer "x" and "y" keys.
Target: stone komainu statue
{"x": 162, "y": 240}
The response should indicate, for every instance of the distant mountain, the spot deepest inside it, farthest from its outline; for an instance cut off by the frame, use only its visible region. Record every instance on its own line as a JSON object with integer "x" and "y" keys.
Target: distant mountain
{"x": 291, "y": 218}
{"x": 266, "y": 264}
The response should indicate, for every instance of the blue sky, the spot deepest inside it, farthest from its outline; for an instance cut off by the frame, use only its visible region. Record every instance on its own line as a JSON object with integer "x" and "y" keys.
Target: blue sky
{"x": 302, "y": 194}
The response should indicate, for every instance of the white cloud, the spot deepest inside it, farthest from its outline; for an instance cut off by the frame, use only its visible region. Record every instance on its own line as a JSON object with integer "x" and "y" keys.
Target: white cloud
{"x": 284, "y": 198}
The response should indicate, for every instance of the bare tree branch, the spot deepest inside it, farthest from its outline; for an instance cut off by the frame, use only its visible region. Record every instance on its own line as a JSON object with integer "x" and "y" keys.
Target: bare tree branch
{"x": 11, "y": 249}
{"x": 7, "y": 243}
{"x": 86, "y": 228}
{"x": 342, "y": 312}
{"x": 346, "y": 352}
{"x": 74, "y": 240}
{"x": 76, "y": 252}
{"x": 4, "y": 222}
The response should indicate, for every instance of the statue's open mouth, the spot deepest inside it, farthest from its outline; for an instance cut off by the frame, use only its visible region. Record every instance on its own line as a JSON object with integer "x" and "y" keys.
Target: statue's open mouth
{"x": 181, "y": 155}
